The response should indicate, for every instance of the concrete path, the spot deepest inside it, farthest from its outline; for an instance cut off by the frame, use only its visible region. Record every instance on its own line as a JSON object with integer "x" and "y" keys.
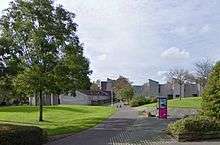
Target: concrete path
{"x": 151, "y": 131}
{"x": 102, "y": 134}
{"x": 127, "y": 128}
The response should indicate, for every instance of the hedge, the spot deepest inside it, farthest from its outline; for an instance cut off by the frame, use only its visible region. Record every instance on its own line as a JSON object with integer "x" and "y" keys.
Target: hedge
{"x": 21, "y": 135}
{"x": 141, "y": 100}
{"x": 138, "y": 101}
{"x": 195, "y": 128}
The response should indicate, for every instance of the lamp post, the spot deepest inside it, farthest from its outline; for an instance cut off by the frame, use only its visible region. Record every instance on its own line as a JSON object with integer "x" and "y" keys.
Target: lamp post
{"x": 112, "y": 98}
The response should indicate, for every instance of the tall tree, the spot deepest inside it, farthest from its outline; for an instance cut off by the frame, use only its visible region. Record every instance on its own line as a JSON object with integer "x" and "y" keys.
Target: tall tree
{"x": 50, "y": 52}
{"x": 9, "y": 59}
{"x": 179, "y": 77}
{"x": 94, "y": 87}
{"x": 126, "y": 93}
{"x": 203, "y": 69}
{"x": 211, "y": 94}
{"x": 121, "y": 87}
{"x": 120, "y": 83}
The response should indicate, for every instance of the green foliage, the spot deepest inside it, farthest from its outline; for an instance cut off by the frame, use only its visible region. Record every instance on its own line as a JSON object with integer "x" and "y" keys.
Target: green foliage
{"x": 40, "y": 50}
{"x": 120, "y": 83}
{"x": 123, "y": 89}
{"x": 21, "y": 135}
{"x": 126, "y": 93}
{"x": 37, "y": 35}
{"x": 138, "y": 101}
{"x": 194, "y": 124}
{"x": 211, "y": 94}
{"x": 153, "y": 99}
{"x": 60, "y": 119}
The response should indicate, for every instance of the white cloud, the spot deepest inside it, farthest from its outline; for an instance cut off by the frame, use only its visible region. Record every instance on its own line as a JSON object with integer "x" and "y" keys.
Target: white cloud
{"x": 102, "y": 57}
{"x": 174, "y": 53}
{"x": 161, "y": 73}
{"x": 180, "y": 30}
{"x": 115, "y": 27}
{"x": 205, "y": 29}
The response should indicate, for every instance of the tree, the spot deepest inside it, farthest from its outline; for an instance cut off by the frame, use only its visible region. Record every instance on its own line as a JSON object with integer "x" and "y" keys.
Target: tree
{"x": 122, "y": 87}
{"x": 120, "y": 83}
{"x": 203, "y": 69}
{"x": 9, "y": 60}
{"x": 43, "y": 37}
{"x": 178, "y": 76}
{"x": 211, "y": 94}
{"x": 126, "y": 93}
{"x": 94, "y": 87}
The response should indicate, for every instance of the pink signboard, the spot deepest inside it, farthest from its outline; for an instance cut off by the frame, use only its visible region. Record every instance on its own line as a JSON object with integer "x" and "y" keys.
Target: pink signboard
{"x": 162, "y": 107}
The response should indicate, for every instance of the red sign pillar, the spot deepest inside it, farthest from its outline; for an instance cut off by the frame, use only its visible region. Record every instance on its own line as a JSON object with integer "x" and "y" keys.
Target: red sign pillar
{"x": 162, "y": 109}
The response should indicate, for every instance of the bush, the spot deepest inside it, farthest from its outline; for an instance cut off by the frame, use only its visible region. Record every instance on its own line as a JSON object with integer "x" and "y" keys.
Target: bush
{"x": 138, "y": 101}
{"x": 194, "y": 124}
{"x": 21, "y": 135}
{"x": 170, "y": 97}
{"x": 211, "y": 94}
{"x": 152, "y": 99}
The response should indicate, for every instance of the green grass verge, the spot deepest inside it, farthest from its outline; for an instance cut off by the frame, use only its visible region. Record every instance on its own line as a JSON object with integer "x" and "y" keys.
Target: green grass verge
{"x": 190, "y": 102}
{"x": 58, "y": 119}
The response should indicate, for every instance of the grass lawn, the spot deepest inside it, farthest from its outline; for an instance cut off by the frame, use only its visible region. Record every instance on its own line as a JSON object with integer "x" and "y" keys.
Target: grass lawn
{"x": 58, "y": 119}
{"x": 190, "y": 102}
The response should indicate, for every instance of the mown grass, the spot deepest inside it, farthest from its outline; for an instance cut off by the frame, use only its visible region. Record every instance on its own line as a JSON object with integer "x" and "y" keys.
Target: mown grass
{"x": 57, "y": 119}
{"x": 189, "y": 102}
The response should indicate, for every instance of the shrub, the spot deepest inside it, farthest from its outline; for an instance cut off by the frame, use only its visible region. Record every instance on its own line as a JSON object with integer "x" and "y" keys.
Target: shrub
{"x": 170, "y": 97}
{"x": 126, "y": 93}
{"x": 138, "y": 101}
{"x": 211, "y": 94}
{"x": 152, "y": 99}
{"x": 194, "y": 124}
{"x": 21, "y": 135}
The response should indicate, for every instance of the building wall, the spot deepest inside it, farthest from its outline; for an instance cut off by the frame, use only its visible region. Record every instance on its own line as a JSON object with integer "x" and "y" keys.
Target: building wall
{"x": 153, "y": 88}
{"x": 138, "y": 90}
{"x": 103, "y": 86}
{"x": 165, "y": 90}
{"x": 83, "y": 99}
{"x": 146, "y": 90}
{"x": 80, "y": 98}
{"x": 99, "y": 98}
{"x": 107, "y": 85}
{"x": 195, "y": 89}
{"x": 191, "y": 90}
{"x": 48, "y": 99}
{"x": 187, "y": 90}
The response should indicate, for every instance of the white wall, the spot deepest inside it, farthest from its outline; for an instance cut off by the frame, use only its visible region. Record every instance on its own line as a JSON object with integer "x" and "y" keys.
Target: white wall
{"x": 78, "y": 99}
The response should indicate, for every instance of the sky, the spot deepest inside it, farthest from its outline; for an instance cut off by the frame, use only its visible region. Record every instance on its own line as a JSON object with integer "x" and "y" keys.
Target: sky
{"x": 143, "y": 39}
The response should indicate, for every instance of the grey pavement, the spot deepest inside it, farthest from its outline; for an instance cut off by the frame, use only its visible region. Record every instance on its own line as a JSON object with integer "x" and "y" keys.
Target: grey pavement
{"x": 102, "y": 134}
{"x": 172, "y": 112}
{"x": 126, "y": 127}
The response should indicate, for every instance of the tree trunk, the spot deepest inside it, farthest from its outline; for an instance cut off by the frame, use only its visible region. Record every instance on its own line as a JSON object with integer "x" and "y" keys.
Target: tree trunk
{"x": 40, "y": 106}
{"x": 180, "y": 91}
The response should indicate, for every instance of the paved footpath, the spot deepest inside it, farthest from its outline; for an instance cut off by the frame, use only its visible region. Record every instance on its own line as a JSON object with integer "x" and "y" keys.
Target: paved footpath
{"x": 126, "y": 128}
{"x": 101, "y": 134}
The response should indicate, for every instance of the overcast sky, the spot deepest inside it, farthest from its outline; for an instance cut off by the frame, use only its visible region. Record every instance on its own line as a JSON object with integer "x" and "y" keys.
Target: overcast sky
{"x": 142, "y": 39}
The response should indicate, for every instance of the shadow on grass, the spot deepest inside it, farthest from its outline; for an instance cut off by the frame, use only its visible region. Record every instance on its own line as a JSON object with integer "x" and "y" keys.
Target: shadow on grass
{"x": 27, "y": 109}
{"x": 61, "y": 108}
{"x": 30, "y": 109}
